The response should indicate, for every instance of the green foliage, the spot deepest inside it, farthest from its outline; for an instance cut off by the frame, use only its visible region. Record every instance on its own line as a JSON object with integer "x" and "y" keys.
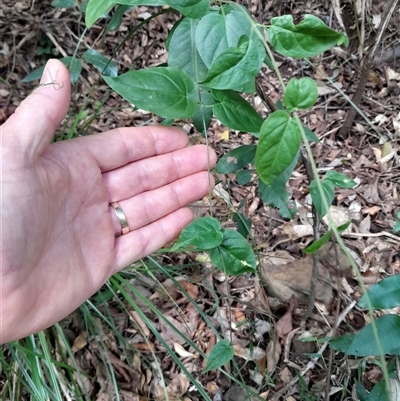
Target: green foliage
{"x": 307, "y": 39}
{"x": 190, "y": 8}
{"x": 165, "y": 91}
{"x": 396, "y": 227}
{"x": 279, "y": 143}
{"x": 276, "y": 195}
{"x": 221, "y": 353}
{"x": 228, "y": 249}
{"x": 243, "y": 224}
{"x": 74, "y": 67}
{"x": 203, "y": 233}
{"x": 105, "y": 66}
{"x": 332, "y": 179}
{"x": 63, "y": 3}
{"x": 233, "y": 111}
{"x": 364, "y": 343}
{"x": 319, "y": 243}
{"x": 340, "y": 180}
{"x": 329, "y": 191}
{"x": 236, "y": 159}
{"x": 300, "y": 94}
{"x": 383, "y": 295}
{"x": 96, "y": 9}
{"x": 234, "y": 256}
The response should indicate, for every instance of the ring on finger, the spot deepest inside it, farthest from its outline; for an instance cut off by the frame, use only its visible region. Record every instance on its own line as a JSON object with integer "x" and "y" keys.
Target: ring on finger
{"x": 121, "y": 218}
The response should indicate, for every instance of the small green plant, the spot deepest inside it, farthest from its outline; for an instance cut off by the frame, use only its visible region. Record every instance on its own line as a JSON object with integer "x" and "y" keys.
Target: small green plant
{"x": 383, "y": 295}
{"x": 215, "y": 52}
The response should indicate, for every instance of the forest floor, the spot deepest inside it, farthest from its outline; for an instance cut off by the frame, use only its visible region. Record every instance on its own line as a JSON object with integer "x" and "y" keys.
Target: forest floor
{"x": 263, "y": 326}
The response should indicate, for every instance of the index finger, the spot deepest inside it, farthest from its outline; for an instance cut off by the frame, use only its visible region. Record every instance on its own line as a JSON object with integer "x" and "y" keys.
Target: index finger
{"x": 120, "y": 146}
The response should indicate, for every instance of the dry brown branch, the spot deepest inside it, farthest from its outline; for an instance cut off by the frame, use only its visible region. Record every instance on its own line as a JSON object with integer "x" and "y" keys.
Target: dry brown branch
{"x": 365, "y": 69}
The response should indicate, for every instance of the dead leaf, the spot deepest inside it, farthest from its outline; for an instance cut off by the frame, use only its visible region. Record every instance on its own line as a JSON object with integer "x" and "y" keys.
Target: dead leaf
{"x": 80, "y": 342}
{"x": 284, "y": 325}
{"x": 293, "y": 278}
{"x": 274, "y": 350}
{"x": 285, "y": 375}
{"x": 182, "y": 352}
{"x": 179, "y": 385}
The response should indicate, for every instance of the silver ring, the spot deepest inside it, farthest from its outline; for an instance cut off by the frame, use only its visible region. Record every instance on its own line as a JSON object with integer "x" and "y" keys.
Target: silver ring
{"x": 121, "y": 218}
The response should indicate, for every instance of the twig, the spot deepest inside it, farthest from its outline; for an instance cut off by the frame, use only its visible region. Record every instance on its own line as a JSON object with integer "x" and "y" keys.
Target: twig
{"x": 310, "y": 365}
{"x": 337, "y": 313}
{"x": 316, "y": 224}
{"x": 56, "y": 44}
{"x": 366, "y": 67}
{"x": 338, "y": 15}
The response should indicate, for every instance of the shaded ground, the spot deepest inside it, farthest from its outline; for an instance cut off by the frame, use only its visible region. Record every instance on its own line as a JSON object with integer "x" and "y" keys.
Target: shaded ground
{"x": 247, "y": 311}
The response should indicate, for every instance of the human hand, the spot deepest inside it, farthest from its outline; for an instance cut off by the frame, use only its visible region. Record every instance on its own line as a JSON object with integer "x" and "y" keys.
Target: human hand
{"x": 59, "y": 235}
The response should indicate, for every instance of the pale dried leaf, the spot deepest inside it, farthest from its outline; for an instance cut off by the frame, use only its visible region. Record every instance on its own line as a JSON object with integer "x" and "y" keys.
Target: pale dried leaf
{"x": 284, "y": 325}
{"x": 79, "y": 343}
{"x": 274, "y": 350}
{"x": 182, "y": 352}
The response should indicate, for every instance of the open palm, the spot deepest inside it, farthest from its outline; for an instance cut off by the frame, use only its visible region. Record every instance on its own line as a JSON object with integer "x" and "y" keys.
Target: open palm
{"x": 59, "y": 236}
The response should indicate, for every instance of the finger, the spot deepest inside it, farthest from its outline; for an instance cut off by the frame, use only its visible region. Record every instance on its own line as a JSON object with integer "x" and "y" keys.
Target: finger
{"x": 29, "y": 130}
{"x": 121, "y": 146}
{"x": 154, "y": 172}
{"x": 140, "y": 243}
{"x": 151, "y": 206}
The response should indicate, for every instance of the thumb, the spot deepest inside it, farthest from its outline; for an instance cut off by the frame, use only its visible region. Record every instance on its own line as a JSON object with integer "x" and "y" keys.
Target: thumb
{"x": 29, "y": 130}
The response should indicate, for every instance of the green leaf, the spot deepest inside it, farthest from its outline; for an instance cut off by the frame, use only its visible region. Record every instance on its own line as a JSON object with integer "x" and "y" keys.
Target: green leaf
{"x": 190, "y": 8}
{"x": 95, "y": 9}
{"x": 275, "y": 195}
{"x": 278, "y": 145}
{"x": 116, "y": 19}
{"x": 310, "y": 135}
{"x": 378, "y": 393}
{"x": 383, "y": 295}
{"x": 243, "y": 224}
{"x": 221, "y": 354}
{"x": 74, "y": 66}
{"x": 203, "y": 233}
{"x": 243, "y": 177}
{"x": 307, "y": 39}
{"x": 142, "y": 2}
{"x": 164, "y": 91}
{"x": 182, "y": 51}
{"x": 234, "y": 256}
{"x": 300, "y": 94}
{"x": 216, "y": 33}
{"x": 236, "y": 66}
{"x": 319, "y": 243}
{"x": 228, "y": 59}
{"x": 34, "y": 75}
{"x": 63, "y": 3}
{"x": 361, "y": 392}
{"x": 183, "y": 54}
{"x": 202, "y": 118}
{"x": 236, "y": 159}
{"x": 364, "y": 344}
{"x": 235, "y": 112}
{"x": 329, "y": 191}
{"x": 344, "y": 226}
{"x": 105, "y": 66}
{"x": 339, "y": 180}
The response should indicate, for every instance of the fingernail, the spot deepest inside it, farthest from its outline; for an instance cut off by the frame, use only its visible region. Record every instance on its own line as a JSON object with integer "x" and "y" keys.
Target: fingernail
{"x": 50, "y": 72}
